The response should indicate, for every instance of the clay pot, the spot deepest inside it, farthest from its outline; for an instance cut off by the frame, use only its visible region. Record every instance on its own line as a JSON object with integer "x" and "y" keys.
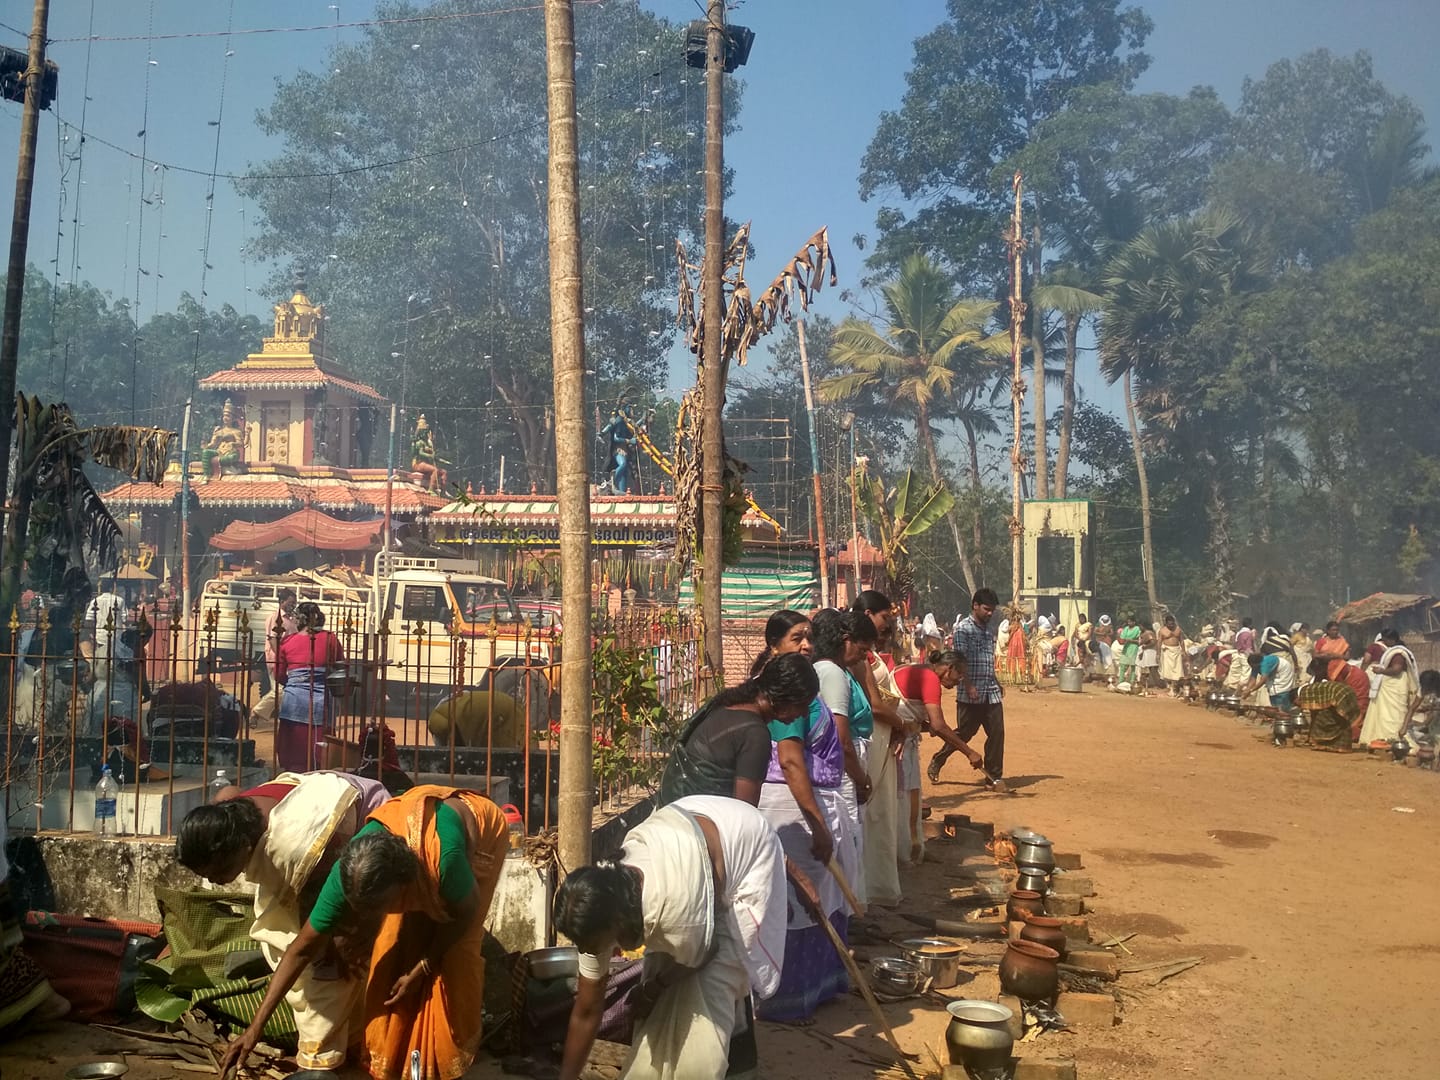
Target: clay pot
{"x": 1029, "y": 971}
{"x": 979, "y": 1034}
{"x": 1023, "y": 902}
{"x": 1043, "y": 930}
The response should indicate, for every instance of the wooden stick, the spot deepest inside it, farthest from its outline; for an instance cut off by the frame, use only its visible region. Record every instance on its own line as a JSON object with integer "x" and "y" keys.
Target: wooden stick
{"x": 859, "y": 976}
{"x": 850, "y": 898}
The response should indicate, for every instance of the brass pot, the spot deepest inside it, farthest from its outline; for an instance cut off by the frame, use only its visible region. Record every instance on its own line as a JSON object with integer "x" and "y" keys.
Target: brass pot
{"x": 979, "y": 1034}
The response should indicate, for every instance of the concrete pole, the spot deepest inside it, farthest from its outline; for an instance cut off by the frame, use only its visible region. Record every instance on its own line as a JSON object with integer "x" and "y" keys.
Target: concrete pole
{"x": 814, "y": 464}
{"x": 572, "y": 437}
{"x": 185, "y": 511}
{"x": 19, "y": 242}
{"x": 712, "y": 364}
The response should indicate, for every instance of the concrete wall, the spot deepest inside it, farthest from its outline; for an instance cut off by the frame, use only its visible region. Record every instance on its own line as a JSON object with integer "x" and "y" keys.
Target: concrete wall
{"x": 115, "y": 878}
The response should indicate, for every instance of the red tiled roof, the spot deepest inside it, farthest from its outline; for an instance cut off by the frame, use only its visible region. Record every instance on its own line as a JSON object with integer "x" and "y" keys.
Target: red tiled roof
{"x": 307, "y": 528}
{"x": 238, "y": 492}
{"x": 312, "y": 378}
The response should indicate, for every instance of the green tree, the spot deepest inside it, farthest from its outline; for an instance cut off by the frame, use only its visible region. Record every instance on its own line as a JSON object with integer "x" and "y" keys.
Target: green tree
{"x": 1066, "y": 293}
{"x": 929, "y": 348}
{"x": 1157, "y": 288}
{"x": 981, "y": 85}
{"x": 459, "y": 223}
{"x": 1318, "y": 141}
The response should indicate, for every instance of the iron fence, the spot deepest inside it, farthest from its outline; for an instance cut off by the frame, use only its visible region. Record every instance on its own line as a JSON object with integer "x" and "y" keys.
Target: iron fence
{"x": 170, "y": 702}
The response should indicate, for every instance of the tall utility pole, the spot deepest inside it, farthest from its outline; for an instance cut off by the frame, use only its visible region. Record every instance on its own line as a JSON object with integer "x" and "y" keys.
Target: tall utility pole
{"x": 814, "y": 464}
{"x": 712, "y": 364}
{"x": 1017, "y": 393}
{"x": 572, "y": 437}
{"x": 19, "y": 241}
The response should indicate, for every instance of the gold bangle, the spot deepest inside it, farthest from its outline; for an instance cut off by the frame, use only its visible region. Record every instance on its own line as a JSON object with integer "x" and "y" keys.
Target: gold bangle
{"x": 425, "y": 966}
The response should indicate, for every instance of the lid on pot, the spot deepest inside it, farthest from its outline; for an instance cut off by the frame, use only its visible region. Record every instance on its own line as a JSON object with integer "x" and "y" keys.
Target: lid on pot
{"x": 894, "y": 965}
{"x": 933, "y": 946}
{"x": 980, "y": 1012}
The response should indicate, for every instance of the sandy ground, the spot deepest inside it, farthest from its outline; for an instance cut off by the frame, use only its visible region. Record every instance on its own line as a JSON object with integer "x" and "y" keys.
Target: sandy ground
{"x": 1311, "y": 899}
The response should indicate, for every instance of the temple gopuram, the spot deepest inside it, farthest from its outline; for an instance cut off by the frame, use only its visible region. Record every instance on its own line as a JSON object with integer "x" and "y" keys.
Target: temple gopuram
{"x": 289, "y": 466}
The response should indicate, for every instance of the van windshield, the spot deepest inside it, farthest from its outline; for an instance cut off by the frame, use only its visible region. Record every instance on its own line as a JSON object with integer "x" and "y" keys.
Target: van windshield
{"x": 484, "y": 602}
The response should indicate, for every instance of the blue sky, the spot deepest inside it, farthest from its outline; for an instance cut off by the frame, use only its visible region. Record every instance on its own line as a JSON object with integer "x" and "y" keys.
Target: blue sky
{"x": 818, "y": 78}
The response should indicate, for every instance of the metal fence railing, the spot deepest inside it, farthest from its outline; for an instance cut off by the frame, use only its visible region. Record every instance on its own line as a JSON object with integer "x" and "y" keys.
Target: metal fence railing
{"x": 169, "y": 701}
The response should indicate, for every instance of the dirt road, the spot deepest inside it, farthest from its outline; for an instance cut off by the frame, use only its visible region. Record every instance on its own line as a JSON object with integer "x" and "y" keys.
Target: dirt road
{"x": 1312, "y": 900}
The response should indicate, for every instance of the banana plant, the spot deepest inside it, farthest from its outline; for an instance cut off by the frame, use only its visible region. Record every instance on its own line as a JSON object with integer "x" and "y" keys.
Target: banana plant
{"x": 899, "y": 516}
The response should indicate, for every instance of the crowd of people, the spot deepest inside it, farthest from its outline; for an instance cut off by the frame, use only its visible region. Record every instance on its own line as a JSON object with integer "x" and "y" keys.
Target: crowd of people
{"x": 788, "y": 799}
{"x": 789, "y": 805}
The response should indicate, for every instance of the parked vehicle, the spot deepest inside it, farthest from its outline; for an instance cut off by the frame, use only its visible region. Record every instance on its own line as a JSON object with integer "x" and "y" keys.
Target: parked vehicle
{"x": 407, "y": 617}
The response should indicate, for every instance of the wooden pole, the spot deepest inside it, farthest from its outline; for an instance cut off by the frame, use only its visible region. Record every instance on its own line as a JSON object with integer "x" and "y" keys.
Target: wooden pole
{"x": 572, "y": 437}
{"x": 712, "y": 363}
{"x": 1017, "y": 394}
{"x": 19, "y": 242}
{"x": 1042, "y": 439}
{"x": 814, "y": 465}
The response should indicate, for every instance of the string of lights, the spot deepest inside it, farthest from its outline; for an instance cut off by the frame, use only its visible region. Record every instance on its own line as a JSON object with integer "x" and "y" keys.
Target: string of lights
{"x": 349, "y": 170}
{"x": 357, "y": 24}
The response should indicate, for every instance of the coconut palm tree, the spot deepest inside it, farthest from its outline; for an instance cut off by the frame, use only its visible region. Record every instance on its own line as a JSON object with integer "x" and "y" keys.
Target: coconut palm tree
{"x": 929, "y": 347}
{"x": 1156, "y": 288}
{"x": 1066, "y": 291}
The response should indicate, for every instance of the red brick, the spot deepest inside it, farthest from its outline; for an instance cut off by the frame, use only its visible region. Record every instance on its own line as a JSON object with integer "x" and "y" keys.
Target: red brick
{"x": 1072, "y": 884}
{"x": 1017, "y": 1021}
{"x": 1087, "y": 1010}
{"x": 1063, "y": 905}
{"x": 1100, "y": 962}
{"x": 1045, "y": 1069}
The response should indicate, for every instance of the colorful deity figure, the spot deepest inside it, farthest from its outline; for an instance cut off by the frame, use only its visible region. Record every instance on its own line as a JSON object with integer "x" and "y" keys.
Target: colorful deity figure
{"x": 621, "y": 438}
{"x": 226, "y": 445}
{"x": 423, "y": 459}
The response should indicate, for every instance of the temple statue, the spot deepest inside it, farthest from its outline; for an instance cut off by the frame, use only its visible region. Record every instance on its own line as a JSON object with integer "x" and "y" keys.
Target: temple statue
{"x": 226, "y": 445}
{"x": 423, "y": 459}
{"x": 620, "y": 436}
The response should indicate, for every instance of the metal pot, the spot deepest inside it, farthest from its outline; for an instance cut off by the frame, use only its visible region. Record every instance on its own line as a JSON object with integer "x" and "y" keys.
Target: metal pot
{"x": 898, "y": 978}
{"x": 1033, "y": 879}
{"x": 979, "y": 1034}
{"x": 559, "y": 963}
{"x": 1071, "y": 679}
{"x": 1034, "y": 851}
{"x": 937, "y": 958}
{"x": 1282, "y": 731}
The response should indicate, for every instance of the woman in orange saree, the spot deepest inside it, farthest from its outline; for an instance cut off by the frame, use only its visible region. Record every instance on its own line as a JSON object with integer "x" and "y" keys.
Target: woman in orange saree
{"x": 417, "y": 880}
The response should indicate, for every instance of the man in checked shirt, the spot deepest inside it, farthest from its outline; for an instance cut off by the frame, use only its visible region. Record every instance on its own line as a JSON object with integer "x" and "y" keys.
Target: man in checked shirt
{"x": 980, "y": 699}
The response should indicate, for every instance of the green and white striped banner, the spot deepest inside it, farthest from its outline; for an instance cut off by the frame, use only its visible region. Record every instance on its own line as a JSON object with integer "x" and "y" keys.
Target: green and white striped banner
{"x": 764, "y": 582}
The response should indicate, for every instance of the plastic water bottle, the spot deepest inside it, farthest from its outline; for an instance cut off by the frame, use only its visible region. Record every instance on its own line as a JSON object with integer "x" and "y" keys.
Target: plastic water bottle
{"x": 516, "y": 822}
{"x": 218, "y": 784}
{"x": 106, "y": 792}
